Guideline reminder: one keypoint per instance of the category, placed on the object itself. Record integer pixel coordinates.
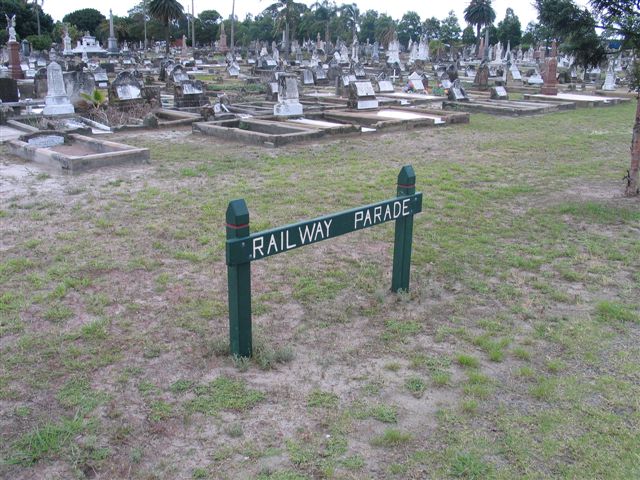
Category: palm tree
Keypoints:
(323, 11)
(479, 13)
(351, 13)
(166, 11)
(287, 12)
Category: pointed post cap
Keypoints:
(237, 213)
(407, 177)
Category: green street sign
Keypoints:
(242, 247)
(279, 240)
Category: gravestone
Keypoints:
(101, 78)
(342, 85)
(535, 79)
(77, 84)
(362, 96)
(416, 82)
(272, 91)
(385, 86)
(609, 80)
(233, 69)
(178, 74)
(189, 94)
(418, 86)
(358, 71)
(550, 86)
(481, 81)
(125, 90)
(457, 93)
(320, 76)
(288, 100)
(56, 102)
(514, 77)
(40, 83)
(307, 77)
(108, 67)
(267, 63)
(499, 93)
(393, 52)
(8, 90)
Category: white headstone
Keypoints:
(56, 102)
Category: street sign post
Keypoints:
(242, 247)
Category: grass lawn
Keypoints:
(516, 353)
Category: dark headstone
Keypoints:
(126, 90)
(482, 77)
(189, 94)
(362, 95)
(40, 83)
(457, 93)
(8, 90)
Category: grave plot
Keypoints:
(68, 123)
(507, 107)
(497, 102)
(73, 153)
(581, 101)
(258, 131)
(397, 118)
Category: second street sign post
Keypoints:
(242, 247)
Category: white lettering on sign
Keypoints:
(278, 242)
(314, 231)
(379, 214)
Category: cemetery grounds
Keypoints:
(514, 355)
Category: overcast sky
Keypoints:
(523, 8)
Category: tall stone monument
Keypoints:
(56, 102)
(393, 53)
(223, 40)
(550, 86)
(609, 80)
(112, 43)
(15, 70)
(66, 42)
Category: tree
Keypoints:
(40, 42)
(385, 28)
(58, 32)
(468, 36)
(479, 13)
(26, 19)
(351, 15)
(368, 25)
(577, 28)
(207, 26)
(450, 29)
(323, 12)
(509, 29)
(166, 11)
(86, 19)
(622, 18)
(431, 28)
(286, 14)
(574, 28)
(409, 27)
